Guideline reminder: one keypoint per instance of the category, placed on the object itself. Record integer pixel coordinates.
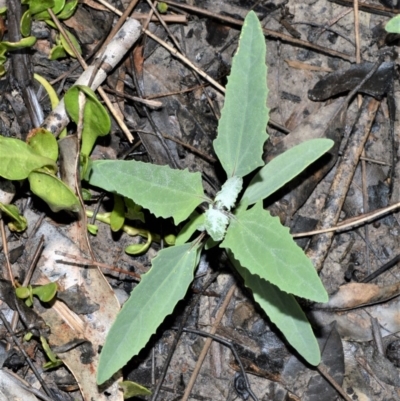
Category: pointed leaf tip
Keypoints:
(244, 117)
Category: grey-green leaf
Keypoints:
(151, 301)
(18, 159)
(265, 247)
(284, 168)
(284, 312)
(162, 190)
(244, 117)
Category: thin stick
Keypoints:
(267, 32)
(89, 262)
(324, 372)
(207, 344)
(185, 60)
(353, 222)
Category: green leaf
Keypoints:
(117, 217)
(151, 301)
(162, 7)
(53, 191)
(284, 168)
(37, 6)
(96, 119)
(18, 159)
(216, 223)
(162, 190)
(23, 292)
(93, 229)
(138, 249)
(132, 389)
(43, 143)
(26, 23)
(45, 292)
(49, 89)
(57, 52)
(54, 360)
(24, 42)
(393, 25)
(196, 220)
(66, 45)
(284, 312)
(18, 222)
(58, 6)
(242, 127)
(68, 10)
(265, 247)
(226, 197)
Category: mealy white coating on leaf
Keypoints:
(229, 192)
(216, 223)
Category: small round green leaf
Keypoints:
(22, 292)
(43, 143)
(58, 6)
(53, 191)
(37, 6)
(162, 7)
(67, 47)
(45, 292)
(18, 159)
(68, 10)
(393, 25)
(26, 23)
(96, 119)
(57, 52)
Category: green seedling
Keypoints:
(17, 223)
(97, 121)
(36, 159)
(38, 10)
(258, 246)
(54, 361)
(44, 292)
(10, 46)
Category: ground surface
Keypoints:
(325, 41)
